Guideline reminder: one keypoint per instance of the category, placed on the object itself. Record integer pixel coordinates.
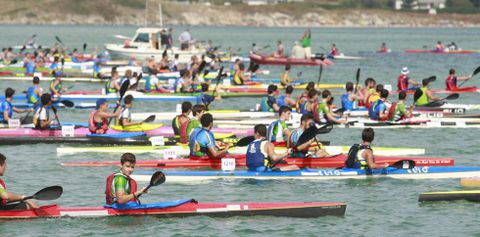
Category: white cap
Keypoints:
(405, 71)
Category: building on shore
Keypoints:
(430, 5)
(266, 2)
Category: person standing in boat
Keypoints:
(452, 80)
(164, 39)
(278, 130)
(428, 98)
(98, 121)
(182, 118)
(34, 92)
(8, 197)
(6, 107)
(120, 187)
(41, 117)
(185, 38)
(350, 98)
(306, 43)
(170, 39)
(261, 155)
(403, 81)
(202, 141)
(360, 156)
(302, 150)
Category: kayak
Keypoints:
(341, 56)
(267, 60)
(469, 195)
(187, 208)
(66, 79)
(137, 127)
(240, 161)
(184, 150)
(419, 172)
(470, 182)
(440, 52)
(469, 89)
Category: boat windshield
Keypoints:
(142, 38)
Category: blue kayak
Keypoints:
(419, 172)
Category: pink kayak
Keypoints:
(267, 60)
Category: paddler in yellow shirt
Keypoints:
(427, 98)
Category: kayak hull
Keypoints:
(469, 195)
(265, 60)
(287, 209)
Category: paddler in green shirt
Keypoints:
(427, 98)
(120, 188)
(323, 111)
(198, 110)
(399, 110)
(278, 130)
(306, 43)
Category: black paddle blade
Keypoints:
(307, 135)
(164, 53)
(453, 96)
(357, 77)
(476, 71)
(124, 88)
(245, 141)
(255, 68)
(84, 46)
(150, 119)
(432, 78)
(325, 129)
(49, 193)
(67, 103)
(58, 39)
(219, 75)
(157, 178)
(54, 110)
(201, 66)
(403, 164)
(418, 93)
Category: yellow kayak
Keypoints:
(138, 127)
(264, 86)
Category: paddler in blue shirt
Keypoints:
(307, 106)
(7, 196)
(348, 99)
(304, 96)
(306, 121)
(6, 108)
(202, 141)
(121, 188)
(206, 98)
(427, 98)
(278, 130)
(360, 156)
(287, 99)
(269, 103)
(378, 110)
(54, 66)
(34, 92)
(29, 64)
(261, 153)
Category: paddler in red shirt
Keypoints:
(333, 51)
(7, 196)
(98, 121)
(369, 88)
(404, 80)
(452, 80)
(383, 48)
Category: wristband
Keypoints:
(134, 196)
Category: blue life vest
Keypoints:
(31, 96)
(206, 99)
(346, 103)
(267, 103)
(30, 68)
(5, 105)
(196, 149)
(281, 100)
(355, 160)
(374, 111)
(303, 108)
(255, 157)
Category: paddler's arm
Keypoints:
(331, 117)
(305, 145)
(431, 96)
(368, 155)
(411, 81)
(217, 154)
(123, 198)
(17, 110)
(463, 78)
(270, 149)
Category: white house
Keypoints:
(422, 4)
(266, 2)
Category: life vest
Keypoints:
(271, 137)
(29, 68)
(109, 196)
(334, 51)
(8, 107)
(176, 123)
(402, 82)
(423, 100)
(3, 202)
(57, 87)
(109, 88)
(94, 126)
(281, 101)
(120, 119)
(36, 116)
(319, 116)
(374, 111)
(182, 131)
(372, 98)
(355, 159)
(32, 97)
(392, 113)
(292, 142)
(451, 82)
(197, 149)
(284, 79)
(237, 80)
(255, 156)
(346, 103)
(267, 104)
(299, 102)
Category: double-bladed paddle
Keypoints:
(150, 119)
(403, 164)
(157, 179)
(219, 76)
(320, 75)
(84, 47)
(46, 194)
(357, 80)
(475, 72)
(123, 90)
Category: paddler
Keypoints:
(374, 96)
(285, 77)
(280, 53)
(125, 117)
(287, 99)
(378, 110)
(306, 121)
(34, 92)
(427, 98)
(404, 80)
(41, 117)
(278, 130)
(54, 66)
(323, 113)
(369, 88)
(348, 99)
(6, 108)
(452, 80)
(7, 197)
(261, 154)
(269, 103)
(121, 188)
(398, 111)
(239, 78)
(197, 111)
(112, 85)
(333, 51)
(439, 47)
(360, 156)
(383, 48)
(184, 83)
(206, 98)
(98, 121)
(202, 141)
(307, 106)
(306, 43)
(179, 120)
(56, 87)
(304, 96)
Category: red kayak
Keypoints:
(440, 52)
(189, 208)
(267, 60)
(468, 89)
(240, 161)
